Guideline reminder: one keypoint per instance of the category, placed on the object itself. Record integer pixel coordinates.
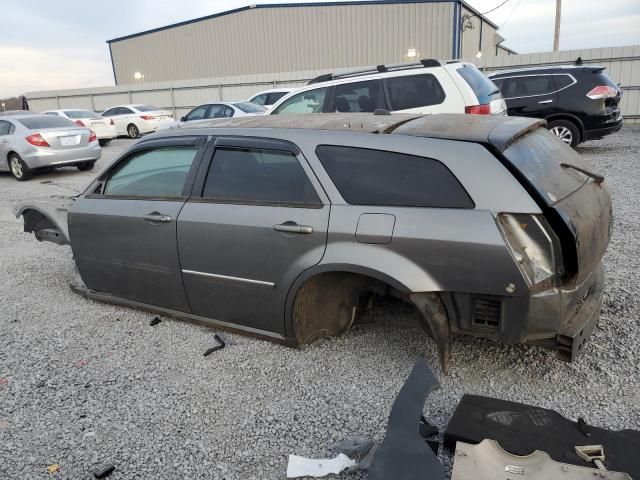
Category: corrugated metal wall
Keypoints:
(623, 65)
(288, 39)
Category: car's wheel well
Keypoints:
(42, 227)
(9, 155)
(328, 303)
(569, 118)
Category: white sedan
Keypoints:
(104, 129)
(136, 119)
(217, 110)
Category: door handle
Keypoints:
(546, 101)
(155, 217)
(293, 227)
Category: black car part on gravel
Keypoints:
(404, 454)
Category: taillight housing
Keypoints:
(534, 247)
(92, 136)
(146, 117)
(79, 123)
(484, 109)
(602, 91)
(36, 140)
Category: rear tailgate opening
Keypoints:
(577, 205)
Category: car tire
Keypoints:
(104, 142)
(86, 166)
(132, 131)
(18, 168)
(565, 130)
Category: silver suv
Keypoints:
(284, 226)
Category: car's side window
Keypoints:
(260, 99)
(157, 173)
(228, 111)
(124, 111)
(356, 96)
(414, 91)
(311, 101)
(258, 177)
(528, 86)
(563, 81)
(5, 128)
(110, 112)
(274, 97)
(216, 111)
(376, 177)
(197, 113)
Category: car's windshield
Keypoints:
(248, 107)
(146, 108)
(79, 114)
(45, 121)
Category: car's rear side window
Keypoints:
(258, 177)
(376, 177)
(414, 91)
(158, 173)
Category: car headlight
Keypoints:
(533, 245)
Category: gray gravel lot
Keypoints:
(85, 383)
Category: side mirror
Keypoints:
(183, 119)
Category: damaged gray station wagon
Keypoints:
(285, 226)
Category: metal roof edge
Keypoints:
(285, 5)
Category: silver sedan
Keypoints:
(31, 142)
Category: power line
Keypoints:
(510, 14)
(488, 11)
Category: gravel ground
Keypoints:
(84, 383)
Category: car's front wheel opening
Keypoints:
(18, 168)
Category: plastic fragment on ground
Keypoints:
(308, 467)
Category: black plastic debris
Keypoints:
(521, 429)
(104, 471)
(220, 346)
(155, 322)
(426, 429)
(404, 454)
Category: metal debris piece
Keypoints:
(487, 461)
(308, 467)
(104, 471)
(592, 454)
(53, 468)
(220, 346)
(155, 322)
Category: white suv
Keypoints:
(422, 87)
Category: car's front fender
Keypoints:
(46, 218)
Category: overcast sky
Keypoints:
(47, 45)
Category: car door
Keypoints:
(123, 232)
(6, 130)
(529, 95)
(256, 220)
(216, 110)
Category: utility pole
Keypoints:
(556, 34)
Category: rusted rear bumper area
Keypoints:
(557, 318)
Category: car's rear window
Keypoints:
(375, 177)
(146, 108)
(539, 155)
(481, 85)
(248, 107)
(45, 121)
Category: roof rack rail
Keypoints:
(424, 63)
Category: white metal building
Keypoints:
(302, 37)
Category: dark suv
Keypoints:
(579, 102)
